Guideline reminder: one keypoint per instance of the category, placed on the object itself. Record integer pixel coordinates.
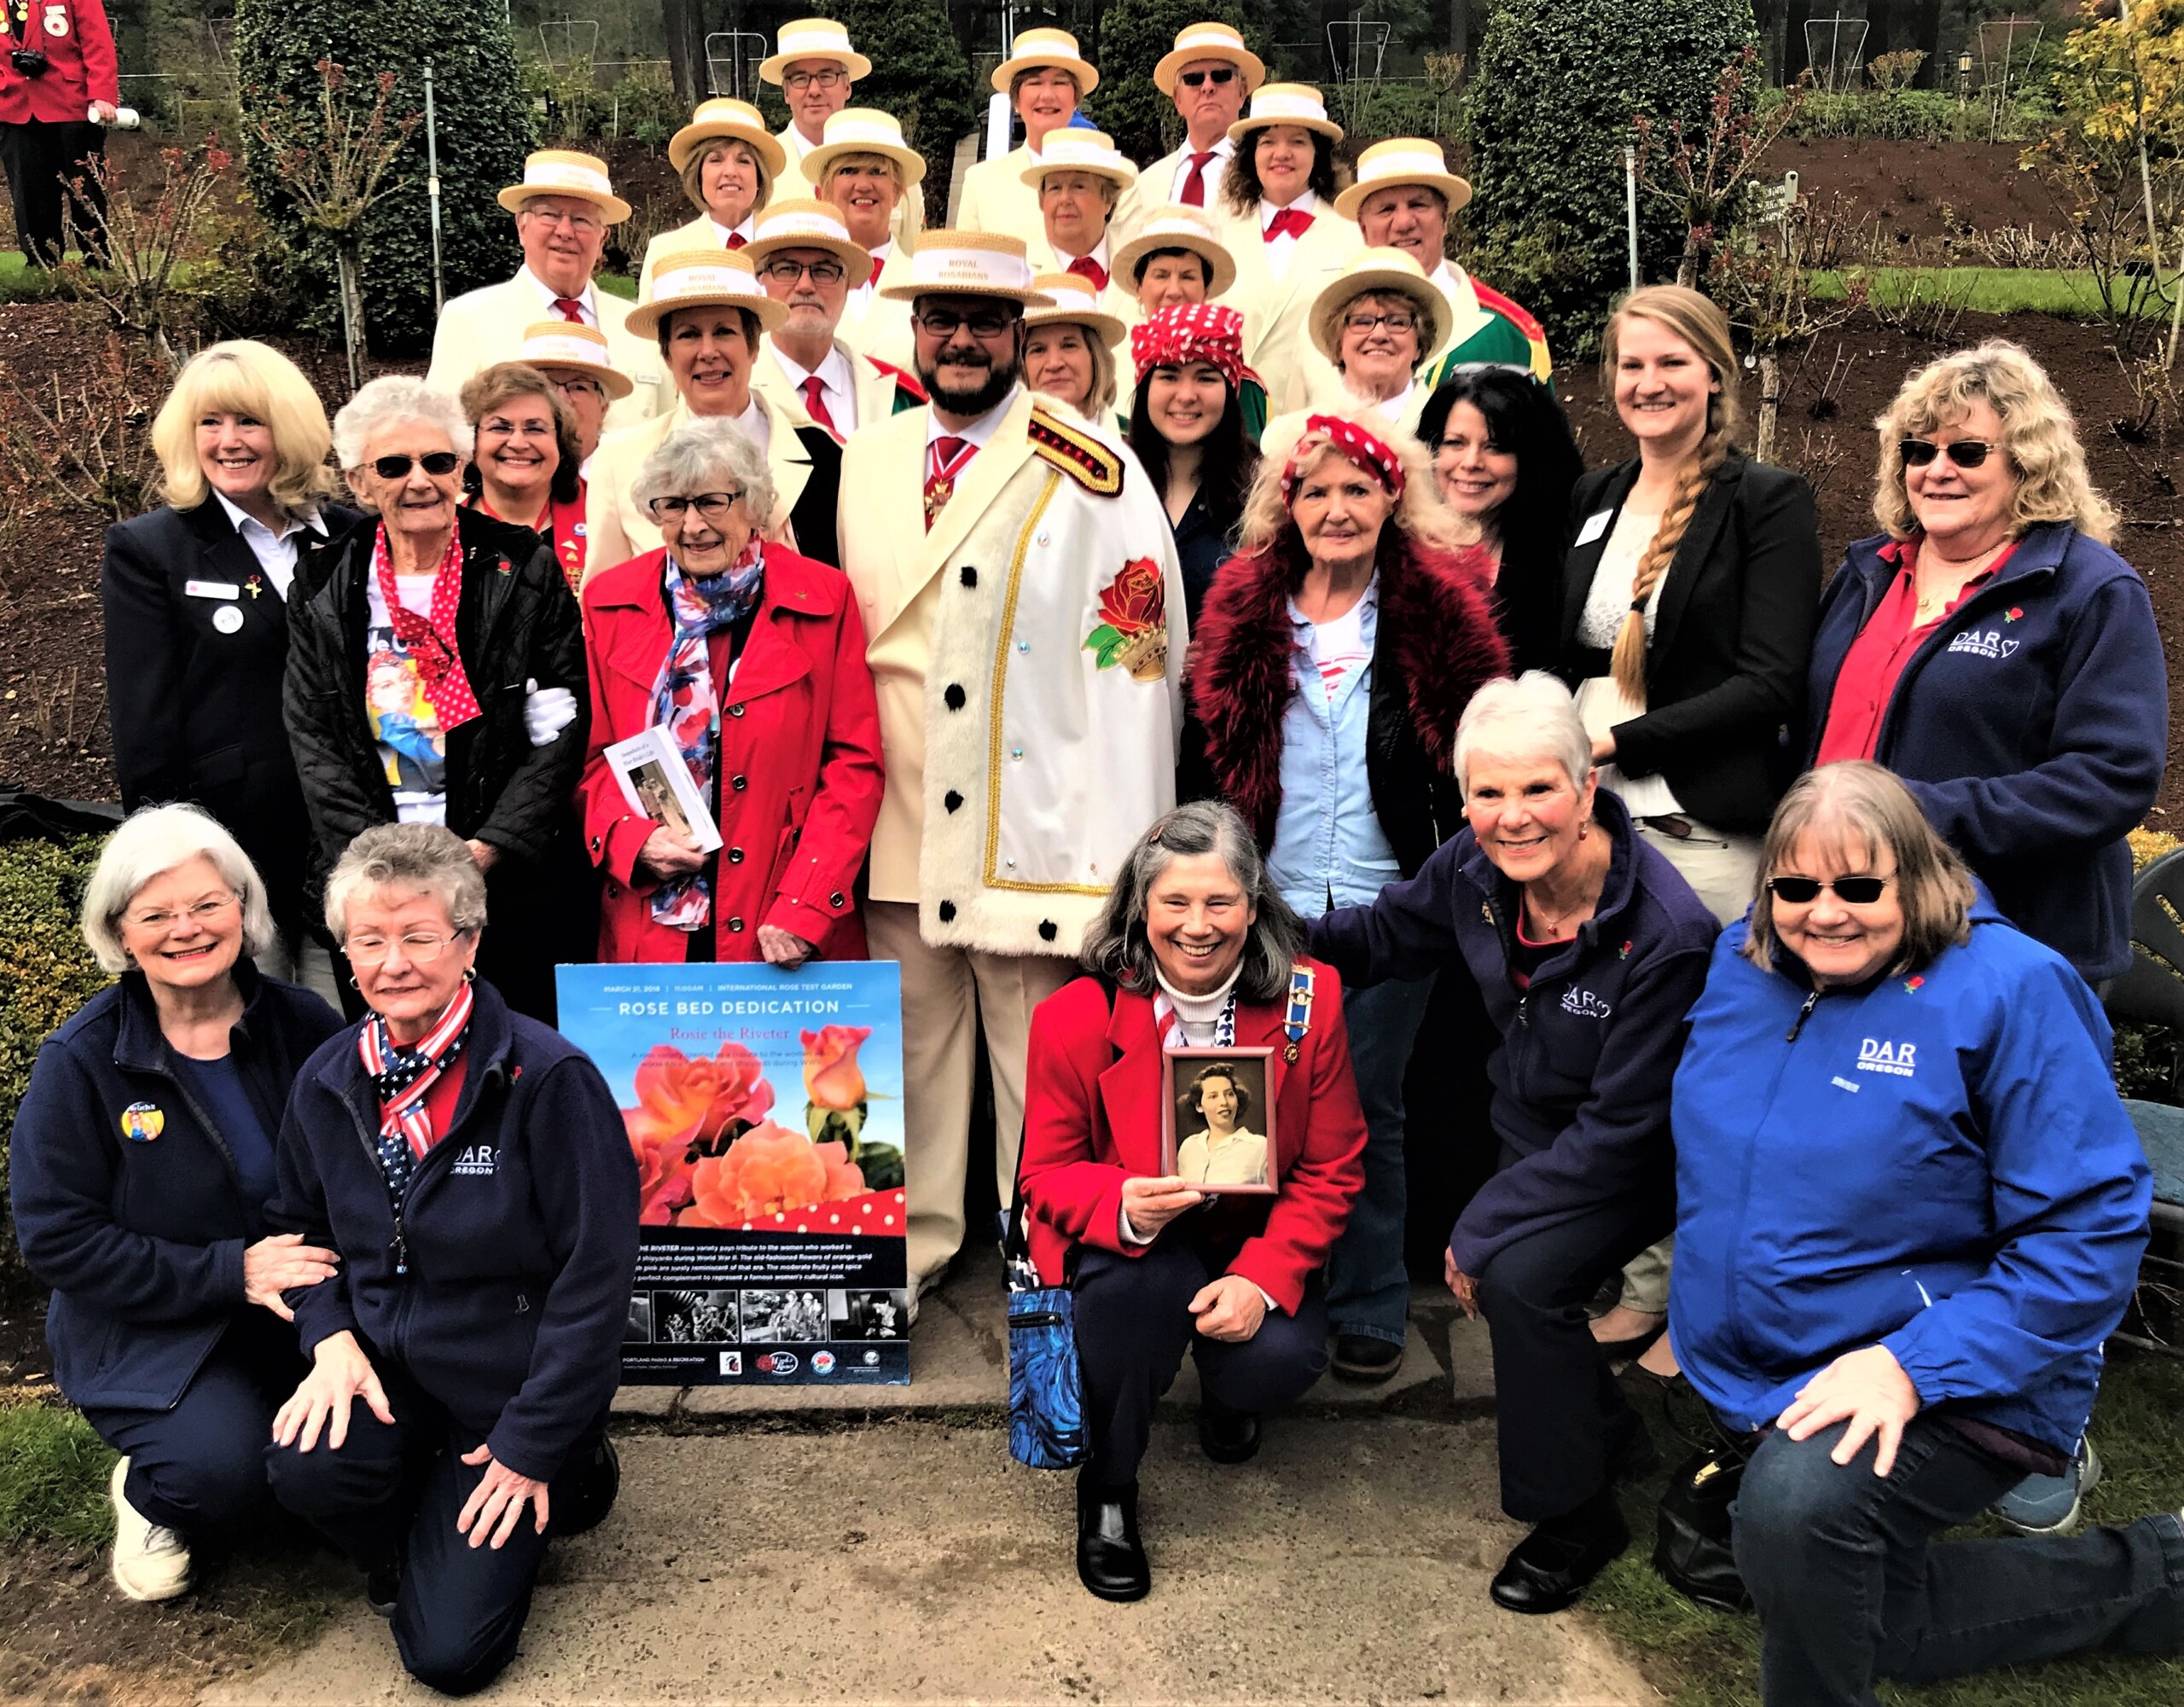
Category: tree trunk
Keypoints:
(352, 316)
(1795, 58)
(685, 21)
(1770, 406)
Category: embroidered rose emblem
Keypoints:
(1133, 630)
(1911, 985)
(2014, 613)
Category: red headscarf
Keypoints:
(1198, 332)
(1360, 446)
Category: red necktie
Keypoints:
(1193, 194)
(1086, 267)
(814, 404)
(736, 239)
(1290, 222)
(569, 308)
(878, 262)
(947, 458)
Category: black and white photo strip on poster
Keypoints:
(849, 1333)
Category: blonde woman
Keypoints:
(1993, 650)
(196, 597)
(728, 162)
(869, 176)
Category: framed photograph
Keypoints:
(1218, 1122)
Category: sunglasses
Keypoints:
(1851, 891)
(1966, 453)
(1194, 79)
(434, 462)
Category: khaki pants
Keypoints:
(947, 995)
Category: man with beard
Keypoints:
(1026, 620)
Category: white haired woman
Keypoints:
(1331, 660)
(487, 1238)
(1588, 948)
(1994, 651)
(752, 658)
(1910, 1211)
(436, 677)
(140, 1166)
(195, 598)
(1196, 948)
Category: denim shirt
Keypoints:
(1328, 849)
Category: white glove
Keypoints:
(546, 712)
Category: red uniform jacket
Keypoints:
(1092, 1110)
(799, 775)
(78, 46)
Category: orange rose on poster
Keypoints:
(832, 1077)
(769, 1171)
(699, 1099)
(1133, 627)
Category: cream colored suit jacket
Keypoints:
(696, 234)
(1277, 312)
(996, 198)
(483, 327)
(882, 330)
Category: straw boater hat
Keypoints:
(1401, 160)
(1209, 41)
(1287, 103)
(813, 38)
(1385, 271)
(967, 263)
(726, 117)
(1177, 228)
(568, 343)
(863, 130)
(1034, 48)
(1074, 148)
(557, 171)
(1075, 303)
(807, 224)
(704, 278)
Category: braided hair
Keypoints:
(1690, 317)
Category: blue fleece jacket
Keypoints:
(2032, 725)
(518, 1230)
(1935, 1162)
(142, 1237)
(1581, 1078)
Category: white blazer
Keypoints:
(996, 198)
(486, 326)
(1277, 312)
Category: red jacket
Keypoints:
(799, 775)
(1092, 1113)
(78, 46)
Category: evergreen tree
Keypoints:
(1134, 38)
(920, 74)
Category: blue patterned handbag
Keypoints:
(1046, 1388)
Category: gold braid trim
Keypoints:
(1077, 453)
(1628, 663)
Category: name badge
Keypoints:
(1596, 525)
(212, 590)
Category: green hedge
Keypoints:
(920, 74)
(1909, 115)
(46, 973)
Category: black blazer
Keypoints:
(517, 623)
(1725, 668)
(197, 711)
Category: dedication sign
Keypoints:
(765, 1109)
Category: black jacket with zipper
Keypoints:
(142, 1240)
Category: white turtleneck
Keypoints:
(1200, 1015)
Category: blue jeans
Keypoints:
(1850, 1587)
(1368, 1291)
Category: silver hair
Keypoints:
(427, 859)
(1117, 946)
(707, 454)
(153, 840)
(1532, 717)
(394, 398)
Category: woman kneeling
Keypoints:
(1910, 1209)
(1196, 950)
(487, 1232)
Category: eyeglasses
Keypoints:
(578, 387)
(1217, 77)
(986, 323)
(834, 77)
(1851, 891)
(1966, 453)
(202, 913)
(434, 462)
(582, 223)
(710, 506)
(1398, 320)
(421, 947)
(782, 270)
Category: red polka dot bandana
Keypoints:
(1198, 332)
(1354, 442)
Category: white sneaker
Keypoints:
(149, 1563)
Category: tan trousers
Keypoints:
(947, 995)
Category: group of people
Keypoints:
(1233, 717)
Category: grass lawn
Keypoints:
(1699, 1658)
(1986, 290)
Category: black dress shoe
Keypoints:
(383, 1587)
(1227, 1437)
(1110, 1559)
(1549, 1568)
(1361, 1358)
(586, 1499)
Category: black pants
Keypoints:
(200, 1468)
(1558, 1414)
(37, 155)
(1133, 1326)
(395, 1490)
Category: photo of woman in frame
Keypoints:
(1216, 1097)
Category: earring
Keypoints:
(353, 984)
(470, 974)
(1585, 828)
